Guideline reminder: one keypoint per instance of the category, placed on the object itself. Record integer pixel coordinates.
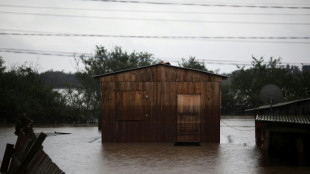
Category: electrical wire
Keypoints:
(205, 5)
(157, 19)
(253, 39)
(234, 127)
(233, 61)
(213, 40)
(151, 11)
(39, 52)
(31, 31)
(160, 37)
(73, 54)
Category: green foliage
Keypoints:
(115, 60)
(243, 92)
(191, 63)
(22, 91)
(229, 107)
(2, 68)
(103, 62)
(59, 79)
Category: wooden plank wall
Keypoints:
(161, 84)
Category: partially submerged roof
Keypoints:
(298, 119)
(278, 104)
(165, 65)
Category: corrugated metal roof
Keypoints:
(299, 119)
(126, 70)
(277, 105)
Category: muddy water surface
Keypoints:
(82, 152)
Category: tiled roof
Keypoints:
(299, 119)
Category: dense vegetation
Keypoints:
(58, 79)
(23, 90)
(243, 87)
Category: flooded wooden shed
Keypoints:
(160, 103)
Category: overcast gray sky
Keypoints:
(200, 21)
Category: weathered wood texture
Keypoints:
(9, 150)
(188, 118)
(141, 105)
(28, 157)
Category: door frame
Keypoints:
(199, 117)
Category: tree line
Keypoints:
(24, 90)
(242, 90)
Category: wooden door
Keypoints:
(188, 118)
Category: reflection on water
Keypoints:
(159, 158)
(82, 152)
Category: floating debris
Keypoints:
(55, 133)
(94, 139)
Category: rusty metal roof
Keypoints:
(299, 119)
(278, 104)
(167, 65)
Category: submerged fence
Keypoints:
(27, 156)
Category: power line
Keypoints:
(32, 31)
(159, 37)
(156, 19)
(204, 5)
(16, 51)
(254, 39)
(231, 62)
(39, 52)
(72, 54)
(153, 11)
(218, 63)
(207, 61)
(46, 33)
(235, 127)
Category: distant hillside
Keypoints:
(58, 79)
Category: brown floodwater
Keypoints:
(82, 152)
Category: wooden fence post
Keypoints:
(32, 151)
(9, 150)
